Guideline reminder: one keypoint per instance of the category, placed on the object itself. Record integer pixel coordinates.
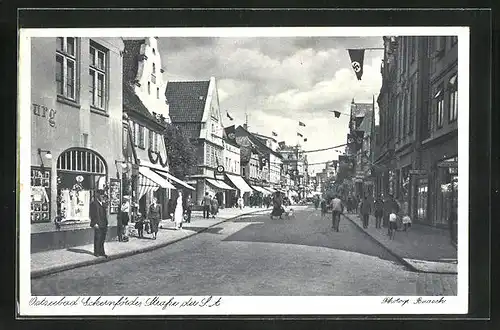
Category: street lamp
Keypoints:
(47, 153)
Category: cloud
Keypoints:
(279, 81)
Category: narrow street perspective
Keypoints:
(256, 255)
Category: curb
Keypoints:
(58, 269)
(394, 254)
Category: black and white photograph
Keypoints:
(204, 171)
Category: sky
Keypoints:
(279, 82)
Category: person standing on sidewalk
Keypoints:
(379, 211)
(124, 219)
(179, 212)
(189, 208)
(214, 207)
(99, 221)
(337, 209)
(154, 216)
(387, 212)
(365, 210)
(240, 202)
(206, 202)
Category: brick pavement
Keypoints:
(49, 262)
(422, 248)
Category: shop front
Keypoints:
(447, 194)
(244, 190)
(219, 189)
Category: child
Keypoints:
(406, 222)
(392, 225)
(139, 225)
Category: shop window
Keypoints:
(66, 63)
(422, 199)
(157, 93)
(97, 72)
(80, 173)
(453, 99)
(40, 194)
(149, 88)
(141, 137)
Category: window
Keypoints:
(149, 88)
(151, 140)
(412, 107)
(66, 67)
(413, 48)
(40, 194)
(453, 95)
(154, 68)
(405, 115)
(153, 75)
(157, 138)
(158, 93)
(141, 137)
(439, 102)
(135, 131)
(97, 71)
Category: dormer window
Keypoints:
(149, 88)
(153, 75)
(154, 68)
(154, 52)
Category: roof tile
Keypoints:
(187, 100)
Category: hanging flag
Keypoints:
(305, 140)
(228, 116)
(302, 124)
(337, 114)
(275, 134)
(298, 134)
(357, 57)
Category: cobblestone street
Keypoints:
(254, 255)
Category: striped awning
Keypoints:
(271, 190)
(239, 183)
(150, 181)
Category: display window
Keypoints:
(447, 194)
(422, 199)
(79, 174)
(40, 194)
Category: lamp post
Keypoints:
(48, 155)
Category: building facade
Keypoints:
(76, 136)
(416, 150)
(194, 108)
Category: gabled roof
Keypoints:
(131, 59)
(187, 100)
(133, 105)
(257, 142)
(360, 109)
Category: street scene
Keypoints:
(244, 166)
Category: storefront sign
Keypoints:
(44, 112)
(417, 172)
(114, 196)
(40, 195)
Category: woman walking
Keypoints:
(154, 216)
(178, 213)
(214, 207)
(277, 205)
(189, 208)
(379, 211)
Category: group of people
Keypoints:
(210, 206)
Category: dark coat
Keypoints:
(365, 206)
(98, 215)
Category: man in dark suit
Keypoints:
(99, 221)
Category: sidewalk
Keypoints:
(54, 261)
(422, 248)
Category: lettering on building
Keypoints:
(45, 112)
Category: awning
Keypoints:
(238, 181)
(262, 190)
(173, 178)
(219, 184)
(155, 178)
(271, 190)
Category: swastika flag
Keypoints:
(357, 57)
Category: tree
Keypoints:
(181, 153)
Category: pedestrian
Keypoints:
(179, 212)
(154, 216)
(240, 202)
(365, 210)
(214, 207)
(349, 204)
(337, 209)
(99, 221)
(277, 205)
(405, 217)
(205, 203)
(392, 225)
(139, 225)
(189, 208)
(387, 212)
(323, 206)
(124, 219)
(379, 211)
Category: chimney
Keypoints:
(245, 126)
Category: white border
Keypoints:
(250, 305)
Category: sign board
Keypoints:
(220, 169)
(417, 172)
(114, 196)
(220, 177)
(448, 164)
